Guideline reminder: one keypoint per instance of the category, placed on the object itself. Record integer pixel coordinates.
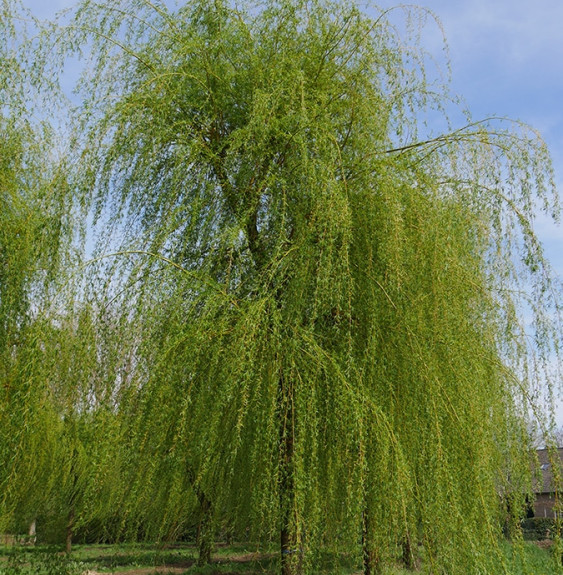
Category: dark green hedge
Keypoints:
(535, 528)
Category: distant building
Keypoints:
(544, 488)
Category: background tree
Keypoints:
(32, 222)
(83, 367)
(29, 239)
(35, 235)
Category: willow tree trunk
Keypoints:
(69, 531)
(371, 559)
(205, 539)
(290, 557)
(408, 554)
(32, 532)
(205, 528)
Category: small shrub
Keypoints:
(537, 528)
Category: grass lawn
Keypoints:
(179, 559)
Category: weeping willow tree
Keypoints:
(59, 357)
(26, 238)
(328, 351)
(80, 363)
(35, 233)
(21, 228)
(25, 421)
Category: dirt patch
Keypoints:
(178, 569)
(246, 558)
(544, 544)
(144, 571)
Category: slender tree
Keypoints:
(331, 352)
(29, 244)
(35, 235)
(30, 237)
(82, 368)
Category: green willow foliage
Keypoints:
(312, 303)
(35, 232)
(29, 236)
(29, 247)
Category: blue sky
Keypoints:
(506, 60)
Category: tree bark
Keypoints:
(205, 528)
(205, 539)
(32, 533)
(408, 556)
(371, 559)
(69, 531)
(290, 556)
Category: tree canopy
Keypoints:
(311, 302)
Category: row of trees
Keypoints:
(302, 320)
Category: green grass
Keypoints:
(129, 556)
(531, 561)
(232, 560)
